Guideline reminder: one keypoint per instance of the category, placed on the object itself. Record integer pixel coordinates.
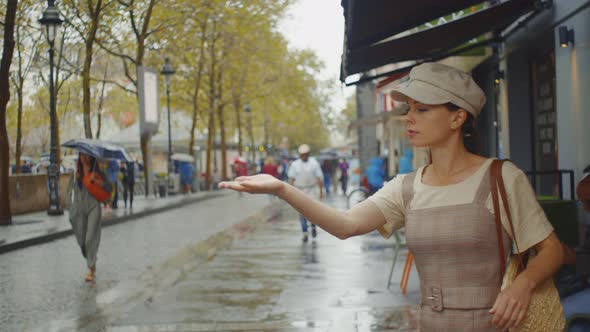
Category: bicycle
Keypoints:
(356, 196)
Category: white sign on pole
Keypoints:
(148, 117)
(148, 101)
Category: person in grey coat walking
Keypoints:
(85, 211)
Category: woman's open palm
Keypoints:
(256, 184)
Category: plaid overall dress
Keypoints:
(456, 252)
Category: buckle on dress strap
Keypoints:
(434, 298)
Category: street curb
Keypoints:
(207, 249)
(152, 283)
(106, 221)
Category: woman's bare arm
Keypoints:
(546, 263)
(360, 219)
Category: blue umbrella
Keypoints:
(98, 149)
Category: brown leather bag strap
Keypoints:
(495, 168)
(504, 197)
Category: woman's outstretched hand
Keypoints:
(255, 184)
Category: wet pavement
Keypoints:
(42, 287)
(227, 264)
(271, 281)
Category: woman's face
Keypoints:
(430, 125)
(84, 158)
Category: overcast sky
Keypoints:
(319, 25)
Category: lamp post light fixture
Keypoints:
(51, 21)
(168, 71)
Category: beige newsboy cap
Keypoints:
(433, 83)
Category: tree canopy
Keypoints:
(227, 54)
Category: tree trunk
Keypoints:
(86, 95)
(266, 123)
(238, 109)
(144, 153)
(139, 62)
(86, 75)
(18, 83)
(98, 123)
(101, 99)
(143, 139)
(253, 145)
(237, 95)
(210, 149)
(221, 121)
(223, 144)
(7, 51)
(191, 144)
(19, 129)
(212, 106)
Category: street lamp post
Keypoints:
(51, 21)
(168, 71)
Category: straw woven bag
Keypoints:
(545, 312)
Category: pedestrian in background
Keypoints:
(447, 212)
(84, 209)
(283, 169)
(343, 166)
(327, 171)
(186, 176)
(375, 175)
(240, 167)
(113, 173)
(405, 162)
(270, 167)
(305, 173)
(128, 182)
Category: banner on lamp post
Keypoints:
(148, 101)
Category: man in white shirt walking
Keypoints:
(306, 174)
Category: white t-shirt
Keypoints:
(306, 174)
(530, 223)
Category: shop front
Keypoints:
(544, 78)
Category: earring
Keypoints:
(453, 126)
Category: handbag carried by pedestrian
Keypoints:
(97, 184)
(545, 312)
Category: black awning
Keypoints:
(370, 21)
(435, 41)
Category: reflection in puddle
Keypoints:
(309, 253)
